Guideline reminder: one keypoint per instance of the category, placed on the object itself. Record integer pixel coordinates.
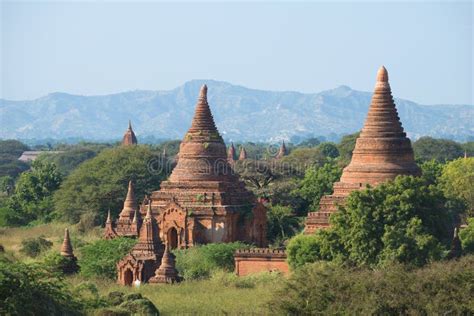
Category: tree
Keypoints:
(398, 221)
(329, 149)
(441, 150)
(32, 197)
(310, 142)
(10, 151)
(457, 181)
(467, 237)
(346, 146)
(318, 182)
(431, 171)
(101, 182)
(282, 223)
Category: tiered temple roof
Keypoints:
(128, 221)
(66, 251)
(282, 151)
(231, 153)
(381, 153)
(129, 137)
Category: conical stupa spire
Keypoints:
(167, 272)
(129, 137)
(243, 153)
(130, 205)
(66, 248)
(202, 154)
(382, 150)
(231, 152)
(282, 151)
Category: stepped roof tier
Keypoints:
(381, 153)
(129, 137)
(130, 204)
(66, 247)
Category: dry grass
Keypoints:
(11, 238)
(221, 295)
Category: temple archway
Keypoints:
(172, 238)
(128, 277)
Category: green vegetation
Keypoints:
(33, 247)
(10, 151)
(442, 150)
(32, 196)
(99, 258)
(100, 183)
(402, 221)
(282, 224)
(327, 289)
(200, 262)
(467, 237)
(457, 181)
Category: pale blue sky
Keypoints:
(105, 47)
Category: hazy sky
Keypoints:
(106, 47)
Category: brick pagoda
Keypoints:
(203, 201)
(381, 153)
(129, 137)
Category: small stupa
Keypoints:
(67, 252)
(382, 152)
(282, 151)
(167, 272)
(129, 137)
(124, 224)
(109, 232)
(231, 153)
(243, 153)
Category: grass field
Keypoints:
(224, 293)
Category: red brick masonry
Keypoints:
(248, 261)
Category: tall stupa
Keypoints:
(381, 153)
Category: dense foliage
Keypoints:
(100, 183)
(467, 236)
(10, 151)
(327, 289)
(99, 258)
(399, 221)
(32, 196)
(281, 224)
(33, 247)
(457, 180)
(200, 261)
(442, 150)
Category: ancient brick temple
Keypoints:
(67, 252)
(282, 151)
(129, 137)
(145, 257)
(203, 201)
(381, 153)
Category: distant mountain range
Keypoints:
(241, 114)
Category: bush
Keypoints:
(34, 290)
(200, 261)
(60, 264)
(327, 289)
(99, 258)
(467, 237)
(33, 247)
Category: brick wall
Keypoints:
(257, 260)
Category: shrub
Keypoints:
(99, 258)
(199, 261)
(328, 289)
(467, 236)
(33, 247)
(57, 263)
(34, 290)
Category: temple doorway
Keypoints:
(172, 238)
(128, 277)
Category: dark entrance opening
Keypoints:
(128, 277)
(172, 238)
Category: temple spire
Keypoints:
(231, 153)
(382, 74)
(203, 120)
(167, 272)
(66, 248)
(243, 153)
(129, 137)
(130, 205)
(282, 151)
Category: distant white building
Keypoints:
(32, 155)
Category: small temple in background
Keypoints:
(381, 153)
(231, 154)
(129, 137)
(67, 252)
(203, 201)
(282, 151)
(243, 153)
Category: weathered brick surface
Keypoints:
(260, 260)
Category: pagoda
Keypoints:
(382, 152)
(231, 153)
(167, 272)
(243, 153)
(128, 222)
(145, 257)
(203, 201)
(129, 137)
(282, 151)
(66, 251)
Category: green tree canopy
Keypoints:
(10, 151)
(346, 146)
(457, 180)
(329, 149)
(442, 150)
(399, 221)
(101, 182)
(282, 223)
(318, 182)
